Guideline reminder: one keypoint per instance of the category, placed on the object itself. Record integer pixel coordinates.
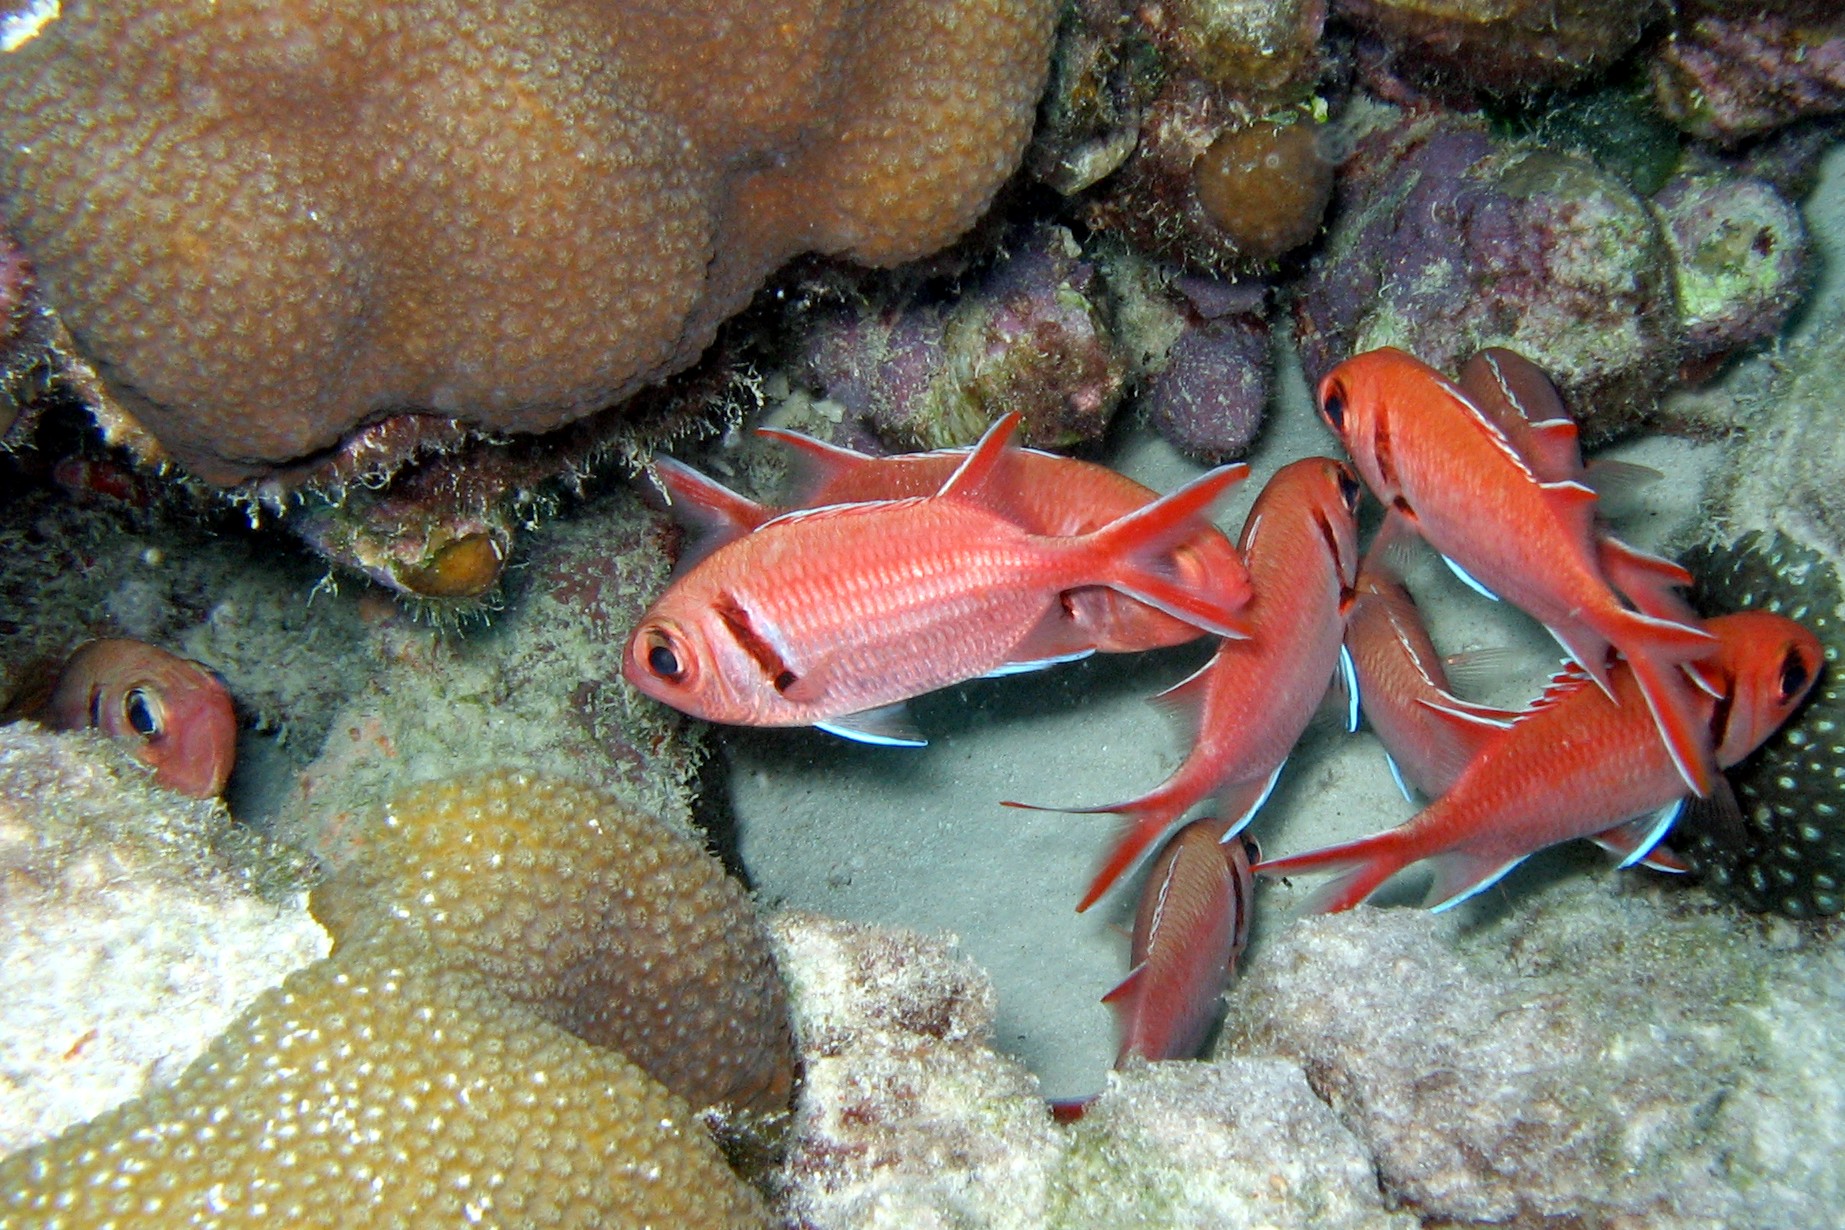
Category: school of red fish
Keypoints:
(894, 576)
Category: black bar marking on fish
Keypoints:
(751, 641)
(1381, 448)
(1720, 712)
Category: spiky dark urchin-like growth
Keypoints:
(1789, 856)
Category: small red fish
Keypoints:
(834, 616)
(1255, 696)
(1434, 458)
(1576, 764)
(1044, 493)
(1429, 734)
(175, 711)
(1191, 927)
(1519, 399)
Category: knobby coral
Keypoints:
(267, 225)
(447, 1063)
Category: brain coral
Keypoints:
(371, 1089)
(269, 223)
(600, 919)
(419, 1077)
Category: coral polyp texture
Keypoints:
(268, 225)
(449, 1063)
(376, 1089)
(602, 920)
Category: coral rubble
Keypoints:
(267, 226)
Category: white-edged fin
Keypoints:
(1458, 876)
(1397, 776)
(1468, 580)
(971, 475)
(886, 726)
(1647, 832)
(1348, 677)
(1025, 668)
(1248, 813)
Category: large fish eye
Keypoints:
(142, 712)
(1795, 674)
(1332, 403)
(665, 658)
(1349, 489)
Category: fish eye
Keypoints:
(1349, 489)
(1795, 674)
(142, 712)
(1332, 404)
(663, 656)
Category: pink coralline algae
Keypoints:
(1449, 241)
(1208, 397)
(1030, 336)
(1728, 77)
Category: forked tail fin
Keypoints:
(1146, 820)
(1363, 865)
(1657, 651)
(1132, 553)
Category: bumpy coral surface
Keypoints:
(1740, 259)
(268, 224)
(1729, 76)
(1788, 855)
(386, 1087)
(602, 920)
(419, 1076)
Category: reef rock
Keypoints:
(1729, 76)
(909, 1118)
(267, 225)
(1448, 241)
(1587, 1056)
(132, 929)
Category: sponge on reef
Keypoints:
(267, 224)
(451, 1061)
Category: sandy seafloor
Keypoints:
(916, 837)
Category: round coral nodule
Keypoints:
(466, 568)
(1266, 186)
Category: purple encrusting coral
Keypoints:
(1208, 398)
(1030, 336)
(1728, 77)
(1447, 241)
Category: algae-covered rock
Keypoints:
(1580, 1056)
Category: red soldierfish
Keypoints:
(1255, 696)
(175, 711)
(1191, 926)
(1044, 493)
(834, 616)
(1430, 735)
(1575, 764)
(1433, 457)
(1519, 399)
